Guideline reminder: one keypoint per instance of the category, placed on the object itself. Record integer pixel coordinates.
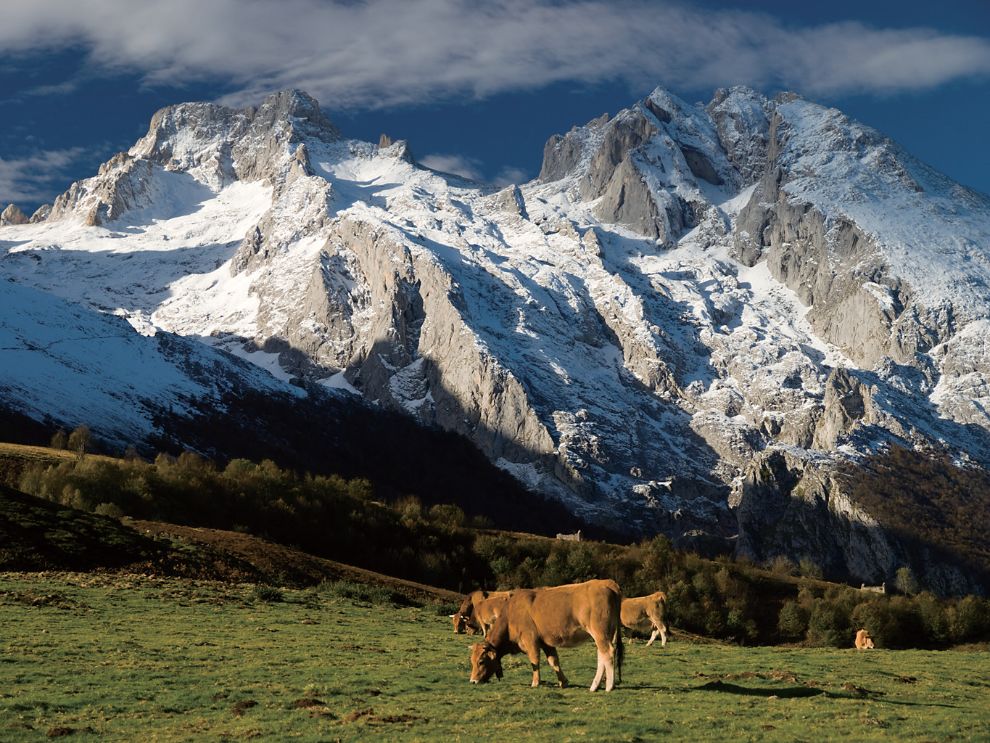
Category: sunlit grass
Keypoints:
(135, 658)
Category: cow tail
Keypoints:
(619, 653)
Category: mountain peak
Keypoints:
(297, 108)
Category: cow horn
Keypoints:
(451, 615)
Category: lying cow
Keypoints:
(863, 640)
(478, 611)
(543, 619)
(647, 611)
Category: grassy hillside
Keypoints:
(115, 658)
(341, 520)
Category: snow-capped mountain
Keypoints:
(687, 294)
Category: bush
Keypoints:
(792, 622)
(363, 592)
(80, 440)
(782, 565)
(808, 568)
(829, 625)
(60, 439)
(108, 509)
(268, 594)
(969, 619)
(906, 582)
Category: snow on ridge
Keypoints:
(79, 366)
(934, 233)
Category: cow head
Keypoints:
(463, 624)
(868, 642)
(484, 662)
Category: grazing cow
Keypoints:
(647, 610)
(863, 640)
(468, 619)
(543, 619)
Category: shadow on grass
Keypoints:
(790, 692)
(797, 692)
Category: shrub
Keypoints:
(808, 568)
(782, 565)
(108, 509)
(60, 439)
(828, 624)
(80, 440)
(268, 594)
(792, 622)
(969, 619)
(906, 582)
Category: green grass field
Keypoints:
(121, 658)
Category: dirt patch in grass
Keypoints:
(369, 716)
(28, 598)
(357, 715)
(306, 703)
(241, 707)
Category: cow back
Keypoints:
(563, 615)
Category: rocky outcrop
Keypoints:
(41, 213)
(421, 338)
(742, 119)
(847, 403)
(247, 144)
(12, 215)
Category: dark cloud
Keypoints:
(37, 177)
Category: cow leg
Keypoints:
(606, 664)
(554, 662)
(610, 668)
(599, 673)
(653, 636)
(534, 662)
(601, 665)
(663, 635)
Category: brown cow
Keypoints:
(647, 610)
(863, 640)
(468, 619)
(547, 618)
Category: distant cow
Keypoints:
(478, 611)
(543, 619)
(646, 611)
(863, 640)
(575, 537)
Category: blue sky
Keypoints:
(477, 91)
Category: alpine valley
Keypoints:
(709, 321)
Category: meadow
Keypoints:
(111, 657)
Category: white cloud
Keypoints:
(509, 175)
(36, 178)
(466, 167)
(385, 52)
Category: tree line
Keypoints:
(341, 519)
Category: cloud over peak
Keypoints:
(390, 52)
